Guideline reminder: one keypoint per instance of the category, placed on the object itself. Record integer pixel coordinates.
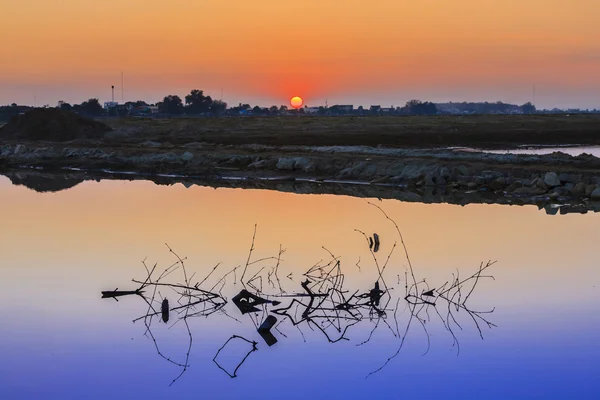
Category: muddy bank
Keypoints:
(410, 175)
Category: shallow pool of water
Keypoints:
(571, 150)
(528, 332)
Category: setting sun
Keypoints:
(296, 102)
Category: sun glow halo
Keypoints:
(296, 102)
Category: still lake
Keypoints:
(60, 339)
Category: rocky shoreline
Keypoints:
(556, 182)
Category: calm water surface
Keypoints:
(571, 150)
(61, 340)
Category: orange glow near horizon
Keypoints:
(347, 51)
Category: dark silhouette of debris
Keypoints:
(376, 240)
(164, 309)
(113, 294)
(265, 330)
(246, 302)
(252, 350)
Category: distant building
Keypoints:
(108, 105)
(348, 108)
(311, 110)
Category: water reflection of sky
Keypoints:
(60, 340)
(571, 150)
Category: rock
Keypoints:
(489, 175)
(412, 172)
(531, 191)
(150, 143)
(20, 149)
(472, 185)
(589, 189)
(554, 195)
(352, 171)
(395, 169)
(498, 183)
(302, 163)
(286, 164)
(6, 151)
(187, 156)
(444, 173)
(551, 210)
(513, 186)
(464, 171)
(410, 196)
(539, 184)
(579, 189)
(478, 180)
(67, 152)
(595, 195)
(551, 179)
(569, 178)
(441, 181)
(163, 158)
(369, 173)
(239, 161)
(562, 191)
(380, 179)
(429, 180)
(258, 164)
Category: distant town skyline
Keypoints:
(385, 52)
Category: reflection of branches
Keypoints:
(322, 302)
(451, 294)
(252, 350)
(191, 301)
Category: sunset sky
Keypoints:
(263, 52)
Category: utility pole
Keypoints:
(121, 86)
(113, 93)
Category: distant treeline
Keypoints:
(198, 104)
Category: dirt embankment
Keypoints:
(51, 124)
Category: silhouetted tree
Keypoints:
(528, 108)
(91, 107)
(64, 106)
(197, 103)
(132, 104)
(417, 107)
(218, 107)
(171, 104)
